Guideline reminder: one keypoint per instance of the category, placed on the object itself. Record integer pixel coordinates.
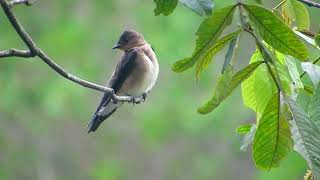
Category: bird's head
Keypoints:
(129, 39)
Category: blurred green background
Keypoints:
(43, 117)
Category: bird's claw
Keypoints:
(134, 100)
(144, 97)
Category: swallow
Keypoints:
(135, 75)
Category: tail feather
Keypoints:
(100, 116)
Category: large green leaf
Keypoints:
(314, 106)
(165, 7)
(283, 72)
(280, 73)
(306, 136)
(272, 140)
(226, 84)
(208, 33)
(201, 7)
(297, 12)
(203, 63)
(258, 88)
(276, 33)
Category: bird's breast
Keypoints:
(142, 77)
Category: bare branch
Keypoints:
(307, 32)
(16, 2)
(35, 51)
(15, 52)
(310, 3)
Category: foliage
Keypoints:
(270, 90)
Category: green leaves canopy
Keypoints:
(276, 33)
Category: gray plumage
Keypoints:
(135, 74)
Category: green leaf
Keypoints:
(314, 107)
(317, 39)
(297, 12)
(248, 138)
(165, 7)
(313, 71)
(243, 129)
(278, 69)
(306, 136)
(293, 71)
(230, 53)
(226, 84)
(272, 140)
(220, 92)
(258, 88)
(203, 63)
(208, 33)
(283, 72)
(276, 33)
(201, 7)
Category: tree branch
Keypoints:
(16, 2)
(35, 51)
(310, 3)
(15, 52)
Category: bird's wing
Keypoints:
(122, 71)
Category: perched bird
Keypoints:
(135, 74)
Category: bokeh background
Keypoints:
(43, 117)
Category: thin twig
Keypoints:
(15, 53)
(310, 3)
(16, 2)
(307, 32)
(35, 51)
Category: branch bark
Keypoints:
(36, 51)
(310, 3)
(16, 2)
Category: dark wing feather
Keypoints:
(123, 69)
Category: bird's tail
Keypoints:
(102, 114)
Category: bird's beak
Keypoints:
(116, 46)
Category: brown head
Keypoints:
(129, 39)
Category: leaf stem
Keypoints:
(280, 4)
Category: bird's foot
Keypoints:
(135, 100)
(144, 97)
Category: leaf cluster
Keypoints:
(270, 83)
